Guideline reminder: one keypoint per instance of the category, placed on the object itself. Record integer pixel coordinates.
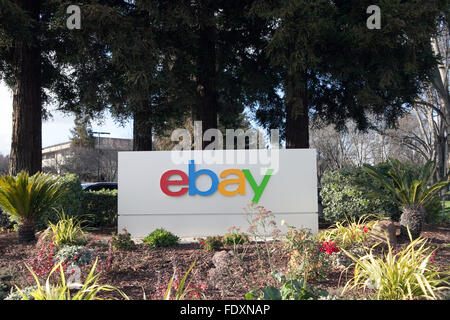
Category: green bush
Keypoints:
(123, 241)
(68, 230)
(346, 193)
(212, 243)
(406, 273)
(349, 233)
(100, 208)
(71, 203)
(76, 255)
(434, 211)
(27, 197)
(291, 289)
(161, 238)
(235, 238)
(3, 290)
(6, 223)
(306, 260)
(15, 295)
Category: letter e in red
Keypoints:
(165, 183)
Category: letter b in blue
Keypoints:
(193, 178)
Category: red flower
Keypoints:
(353, 236)
(329, 247)
(202, 243)
(365, 229)
(431, 260)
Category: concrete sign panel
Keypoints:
(201, 193)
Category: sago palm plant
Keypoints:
(411, 192)
(25, 197)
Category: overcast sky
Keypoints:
(56, 130)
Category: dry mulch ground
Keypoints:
(149, 270)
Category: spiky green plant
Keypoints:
(408, 274)
(89, 290)
(411, 192)
(25, 197)
(183, 289)
(68, 230)
(350, 232)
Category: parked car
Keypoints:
(97, 186)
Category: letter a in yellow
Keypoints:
(240, 181)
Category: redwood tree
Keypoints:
(26, 141)
(45, 63)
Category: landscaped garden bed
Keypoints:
(359, 256)
(149, 270)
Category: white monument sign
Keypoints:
(201, 193)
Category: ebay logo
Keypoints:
(188, 182)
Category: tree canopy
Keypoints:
(161, 62)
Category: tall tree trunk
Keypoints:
(26, 144)
(207, 105)
(297, 112)
(440, 83)
(142, 130)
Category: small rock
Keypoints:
(222, 258)
(385, 231)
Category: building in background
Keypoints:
(91, 164)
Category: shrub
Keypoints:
(410, 190)
(70, 203)
(289, 290)
(262, 226)
(67, 230)
(212, 243)
(25, 197)
(234, 238)
(122, 241)
(306, 258)
(75, 255)
(101, 208)
(43, 260)
(161, 238)
(3, 290)
(89, 290)
(328, 247)
(6, 223)
(350, 232)
(433, 211)
(408, 274)
(345, 194)
(16, 295)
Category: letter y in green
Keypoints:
(258, 190)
